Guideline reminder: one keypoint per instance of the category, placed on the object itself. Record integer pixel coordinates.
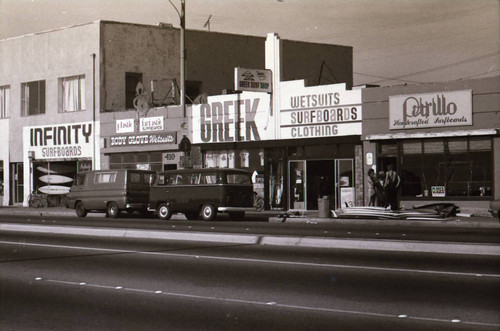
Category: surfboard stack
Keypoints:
(54, 181)
(427, 212)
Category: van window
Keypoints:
(105, 177)
(149, 179)
(238, 179)
(134, 177)
(195, 179)
(208, 179)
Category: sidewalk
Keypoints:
(310, 217)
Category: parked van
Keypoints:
(111, 191)
(204, 192)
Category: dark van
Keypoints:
(111, 191)
(204, 192)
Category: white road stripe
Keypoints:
(275, 304)
(248, 260)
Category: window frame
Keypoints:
(81, 105)
(26, 104)
(4, 101)
(448, 163)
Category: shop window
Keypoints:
(33, 98)
(146, 161)
(388, 149)
(460, 167)
(131, 81)
(72, 93)
(4, 101)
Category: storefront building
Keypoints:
(54, 97)
(132, 141)
(309, 148)
(443, 140)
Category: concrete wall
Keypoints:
(212, 57)
(303, 60)
(150, 50)
(47, 56)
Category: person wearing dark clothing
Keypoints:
(379, 188)
(391, 185)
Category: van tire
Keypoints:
(208, 212)
(164, 211)
(80, 209)
(112, 210)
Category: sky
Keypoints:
(394, 42)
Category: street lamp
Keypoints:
(182, 16)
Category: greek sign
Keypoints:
(233, 117)
(319, 111)
(67, 141)
(441, 109)
(143, 139)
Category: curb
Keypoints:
(455, 222)
(252, 239)
(484, 223)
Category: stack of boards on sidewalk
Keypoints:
(436, 211)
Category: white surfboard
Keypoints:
(54, 189)
(56, 168)
(55, 179)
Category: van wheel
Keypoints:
(208, 212)
(113, 210)
(192, 216)
(80, 209)
(164, 211)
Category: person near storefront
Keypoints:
(391, 186)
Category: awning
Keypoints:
(442, 134)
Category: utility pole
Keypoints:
(183, 58)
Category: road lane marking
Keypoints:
(249, 260)
(275, 304)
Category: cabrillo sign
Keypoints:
(438, 109)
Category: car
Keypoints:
(111, 191)
(495, 208)
(202, 192)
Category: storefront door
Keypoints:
(297, 197)
(16, 183)
(309, 181)
(344, 176)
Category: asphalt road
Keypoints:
(50, 282)
(258, 225)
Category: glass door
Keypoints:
(344, 173)
(297, 197)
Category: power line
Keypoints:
(438, 68)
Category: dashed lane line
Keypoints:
(272, 304)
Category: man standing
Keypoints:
(391, 186)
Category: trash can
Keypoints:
(324, 207)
